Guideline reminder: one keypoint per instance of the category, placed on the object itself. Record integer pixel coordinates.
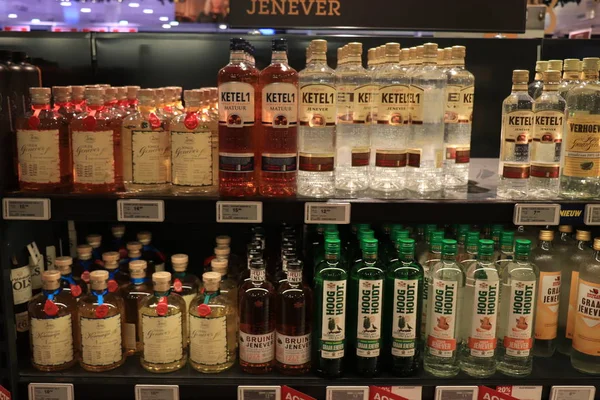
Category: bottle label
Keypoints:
(294, 276)
(441, 338)
(459, 104)
(317, 105)
(150, 155)
(22, 321)
(39, 156)
(518, 339)
(162, 338)
(390, 158)
(416, 105)
(208, 340)
(191, 158)
(20, 278)
(101, 340)
(394, 105)
(370, 301)
(257, 349)
(316, 162)
(404, 323)
(582, 147)
(572, 305)
(516, 171)
(587, 319)
(280, 105)
(363, 104)
(345, 104)
(257, 275)
(236, 162)
(545, 170)
(130, 336)
(333, 323)
(482, 338)
(278, 162)
(517, 128)
(93, 157)
(236, 104)
(425, 302)
(547, 136)
(36, 273)
(360, 156)
(460, 154)
(52, 340)
(546, 318)
(293, 350)
(414, 158)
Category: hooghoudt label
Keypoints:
(316, 162)
(20, 279)
(546, 318)
(404, 323)
(257, 349)
(459, 104)
(518, 334)
(38, 155)
(582, 146)
(52, 340)
(293, 350)
(236, 162)
(93, 157)
(416, 105)
(191, 158)
(370, 301)
(518, 129)
(101, 340)
(208, 340)
(442, 318)
(317, 105)
(363, 103)
(572, 304)
(547, 136)
(280, 105)
(587, 320)
(333, 323)
(236, 104)
(162, 338)
(482, 338)
(394, 105)
(150, 152)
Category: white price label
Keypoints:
(456, 392)
(259, 392)
(156, 392)
(522, 392)
(409, 392)
(132, 210)
(26, 209)
(536, 214)
(592, 214)
(50, 391)
(572, 393)
(329, 213)
(347, 393)
(245, 212)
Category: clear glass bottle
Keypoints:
(133, 294)
(470, 254)
(564, 245)
(517, 312)
(185, 284)
(100, 316)
(163, 327)
(68, 282)
(517, 131)
(227, 287)
(535, 88)
(213, 324)
(570, 78)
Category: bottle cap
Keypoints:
(354, 49)
(523, 246)
(441, 56)
(507, 237)
(98, 279)
(279, 44)
(132, 92)
(436, 236)
(161, 281)
(449, 246)
(401, 234)
(84, 250)
(211, 281)
(556, 65)
(371, 56)
(547, 235)
(412, 52)
(485, 247)
(169, 92)
(392, 49)
(143, 94)
(51, 279)
(369, 245)
(583, 235)
(110, 93)
(597, 243)
(110, 256)
(420, 51)
(472, 239)
(61, 92)
(572, 65)
(219, 265)
(134, 246)
(180, 259)
(118, 230)
(430, 50)
(223, 240)
(520, 76)
(552, 76)
(94, 240)
(64, 261)
(192, 96)
(404, 54)
(39, 91)
(222, 251)
(121, 92)
(144, 237)
(77, 92)
(565, 228)
(540, 66)
(332, 245)
(318, 46)
(138, 265)
(590, 64)
(406, 245)
(458, 52)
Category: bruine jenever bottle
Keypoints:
(68, 281)
(133, 294)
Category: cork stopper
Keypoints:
(583, 235)
(99, 280)
(161, 281)
(556, 65)
(94, 240)
(192, 96)
(144, 237)
(219, 265)
(520, 76)
(132, 92)
(430, 50)
(211, 281)
(118, 231)
(84, 251)
(134, 247)
(354, 49)
(223, 240)
(121, 92)
(597, 243)
(95, 95)
(392, 49)
(111, 260)
(51, 280)
(61, 93)
(318, 46)
(590, 64)
(64, 261)
(77, 92)
(541, 66)
(137, 269)
(553, 76)
(179, 262)
(458, 52)
(546, 235)
(222, 251)
(143, 94)
(572, 65)
(565, 228)
(110, 94)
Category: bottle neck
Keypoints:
(192, 107)
(571, 75)
(449, 256)
(162, 293)
(279, 57)
(590, 76)
(406, 257)
(582, 244)
(429, 60)
(519, 87)
(332, 257)
(486, 258)
(545, 245)
(237, 57)
(522, 257)
(369, 256)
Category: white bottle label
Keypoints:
(393, 105)
(208, 340)
(587, 319)
(191, 158)
(518, 130)
(482, 338)
(38, 155)
(416, 105)
(441, 338)
(317, 105)
(20, 278)
(150, 154)
(236, 104)
(518, 339)
(333, 323)
(130, 337)
(363, 104)
(162, 338)
(546, 313)
(547, 136)
(52, 340)
(293, 350)
(257, 274)
(280, 105)
(368, 333)
(294, 276)
(257, 349)
(459, 104)
(101, 340)
(93, 157)
(404, 322)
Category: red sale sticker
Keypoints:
(383, 393)
(485, 393)
(287, 393)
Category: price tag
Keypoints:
(536, 214)
(4, 393)
(326, 213)
(132, 210)
(592, 214)
(456, 392)
(522, 392)
(347, 393)
(156, 392)
(50, 391)
(245, 212)
(410, 392)
(572, 393)
(26, 209)
(259, 393)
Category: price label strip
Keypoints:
(572, 393)
(26, 209)
(347, 393)
(245, 212)
(259, 392)
(592, 214)
(50, 391)
(326, 213)
(156, 392)
(522, 392)
(536, 214)
(456, 392)
(132, 210)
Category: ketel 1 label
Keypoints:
(485, 393)
(287, 393)
(380, 393)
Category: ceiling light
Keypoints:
(134, 5)
(166, 26)
(164, 19)
(123, 22)
(222, 26)
(65, 3)
(174, 23)
(86, 10)
(12, 16)
(35, 21)
(148, 11)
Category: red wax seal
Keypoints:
(34, 122)
(191, 120)
(50, 308)
(203, 310)
(89, 122)
(123, 253)
(154, 121)
(113, 286)
(168, 109)
(101, 311)
(75, 290)
(85, 276)
(162, 307)
(177, 285)
(99, 263)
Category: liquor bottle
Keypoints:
(316, 133)
(578, 257)
(329, 326)
(354, 89)
(68, 282)
(118, 244)
(154, 257)
(570, 78)
(257, 322)
(293, 313)
(580, 169)
(100, 316)
(134, 251)
(227, 287)
(20, 279)
(446, 281)
(133, 294)
(517, 130)
(78, 98)
(458, 120)
(163, 327)
(84, 264)
(192, 153)
(428, 262)
(170, 102)
(461, 238)
(564, 245)
(535, 88)
(43, 146)
(132, 98)
(480, 314)
(517, 312)
(53, 326)
(117, 279)
(111, 103)
(213, 326)
(146, 147)
(122, 103)
(403, 301)
(238, 84)
(95, 241)
(184, 284)
(62, 102)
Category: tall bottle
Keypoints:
(84, 264)
(517, 131)
(517, 312)
(133, 294)
(570, 78)
(535, 88)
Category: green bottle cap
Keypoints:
(406, 246)
(485, 247)
(331, 234)
(472, 238)
(507, 237)
(332, 245)
(369, 245)
(497, 232)
(449, 246)
(430, 227)
(436, 236)
(523, 246)
(358, 227)
(462, 231)
(401, 234)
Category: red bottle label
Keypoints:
(390, 158)
(360, 157)
(101, 311)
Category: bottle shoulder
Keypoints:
(522, 98)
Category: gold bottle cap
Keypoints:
(572, 64)
(380, 54)
(371, 56)
(354, 49)
(318, 46)
(583, 235)
(420, 51)
(159, 93)
(520, 76)
(392, 49)
(161, 281)
(91, 92)
(556, 65)
(546, 235)
(98, 280)
(211, 281)
(61, 91)
(77, 91)
(147, 94)
(597, 243)
(51, 279)
(222, 251)
(194, 96)
(84, 250)
(94, 240)
(110, 256)
(121, 92)
(448, 55)
(430, 50)
(441, 56)
(541, 66)
(458, 52)
(137, 265)
(405, 55)
(219, 266)
(134, 246)
(565, 228)
(590, 64)
(223, 240)
(180, 260)
(340, 55)
(552, 76)
(118, 230)
(169, 93)
(413, 53)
